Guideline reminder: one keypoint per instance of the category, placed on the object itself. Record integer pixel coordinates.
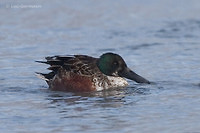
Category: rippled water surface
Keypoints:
(160, 40)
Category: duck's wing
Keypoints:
(78, 64)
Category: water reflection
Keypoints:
(78, 102)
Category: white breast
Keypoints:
(117, 81)
(114, 82)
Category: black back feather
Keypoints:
(80, 64)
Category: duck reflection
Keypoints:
(112, 98)
(89, 104)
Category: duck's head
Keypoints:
(113, 65)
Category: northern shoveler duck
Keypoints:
(86, 73)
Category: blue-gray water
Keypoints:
(159, 40)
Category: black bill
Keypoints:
(129, 74)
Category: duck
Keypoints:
(86, 73)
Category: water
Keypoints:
(159, 40)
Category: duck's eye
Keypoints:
(115, 63)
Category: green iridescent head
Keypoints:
(113, 65)
(110, 64)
